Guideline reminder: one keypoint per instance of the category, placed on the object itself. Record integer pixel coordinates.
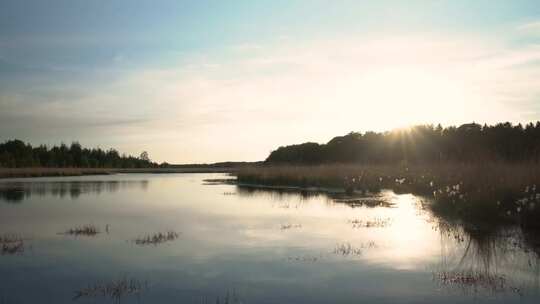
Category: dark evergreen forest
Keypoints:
(17, 154)
(421, 144)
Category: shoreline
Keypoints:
(53, 172)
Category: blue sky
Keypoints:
(203, 81)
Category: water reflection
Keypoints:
(498, 260)
(494, 259)
(18, 191)
(279, 193)
(358, 200)
(196, 243)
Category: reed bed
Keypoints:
(40, 172)
(156, 238)
(483, 192)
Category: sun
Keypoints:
(402, 96)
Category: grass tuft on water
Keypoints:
(84, 230)
(11, 244)
(114, 290)
(156, 238)
(371, 223)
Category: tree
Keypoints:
(16, 154)
(144, 156)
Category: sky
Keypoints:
(208, 81)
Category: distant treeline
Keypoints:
(17, 154)
(426, 143)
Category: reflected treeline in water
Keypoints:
(494, 259)
(15, 192)
(364, 199)
(278, 193)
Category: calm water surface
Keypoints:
(242, 246)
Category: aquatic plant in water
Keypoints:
(347, 249)
(157, 238)
(474, 281)
(85, 230)
(11, 244)
(370, 223)
(114, 290)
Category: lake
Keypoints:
(229, 244)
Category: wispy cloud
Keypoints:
(530, 27)
(251, 97)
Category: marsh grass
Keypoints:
(39, 172)
(484, 192)
(475, 281)
(114, 290)
(42, 172)
(156, 238)
(84, 230)
(11, 244)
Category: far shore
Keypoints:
(45, 172)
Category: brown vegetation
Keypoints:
(42, 172)
(500, 192)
